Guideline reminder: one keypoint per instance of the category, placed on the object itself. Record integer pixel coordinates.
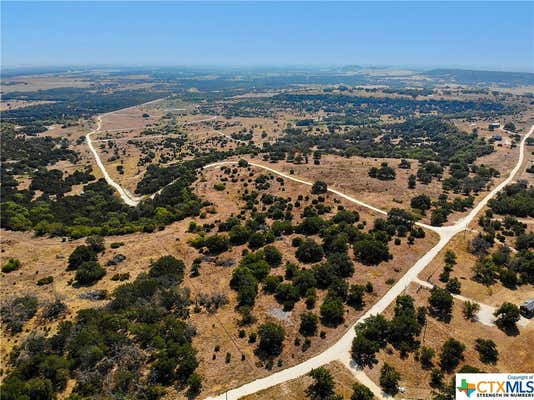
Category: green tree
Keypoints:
(507, 316)
(470, 310)
(421, 202)
(195, 384)
(239, 235)
(355, 296)
(271, 339)
(454, 285)
(332, 311)
(361, 392)
(363, 351)
(412, 181)
(309, 252)
(80, 255)
(451, 354)
(389, 379)
(450, 257)
(425, 355)
(319, 187)
(308, 324)
(441, 302)
(371, 252)
(487, 351)
(167, 268)
(272, 255)
(322, 387)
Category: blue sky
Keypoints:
(481, 35)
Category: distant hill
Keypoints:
(469, 77)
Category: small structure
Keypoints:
(527, 308)
(496, 137)
(494, 125)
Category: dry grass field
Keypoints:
(213, 329)
(121, 145)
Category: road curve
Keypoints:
(340, 350)
(126, 196)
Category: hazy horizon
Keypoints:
(490, 36)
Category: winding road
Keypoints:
(340, 350)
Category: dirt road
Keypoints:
(340, 350)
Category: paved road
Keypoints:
(340, 350)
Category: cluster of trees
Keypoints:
(453, 285)
(401, 332)
(27, 154)
(360, 106)
(511, 270)
(423, 139)
(301, 283)
(84, 260)
(51, 182)
(516, 199)
(106, 350)
(460, 180)
(384, 172)
(72, 103)
(443, 208)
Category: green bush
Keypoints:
(89, 273)
(11, 265)
(45, 281)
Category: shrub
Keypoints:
(45, 281)
(54, 309)
(89, 272)
(121, 276)
(11, 265)
(16, 312)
